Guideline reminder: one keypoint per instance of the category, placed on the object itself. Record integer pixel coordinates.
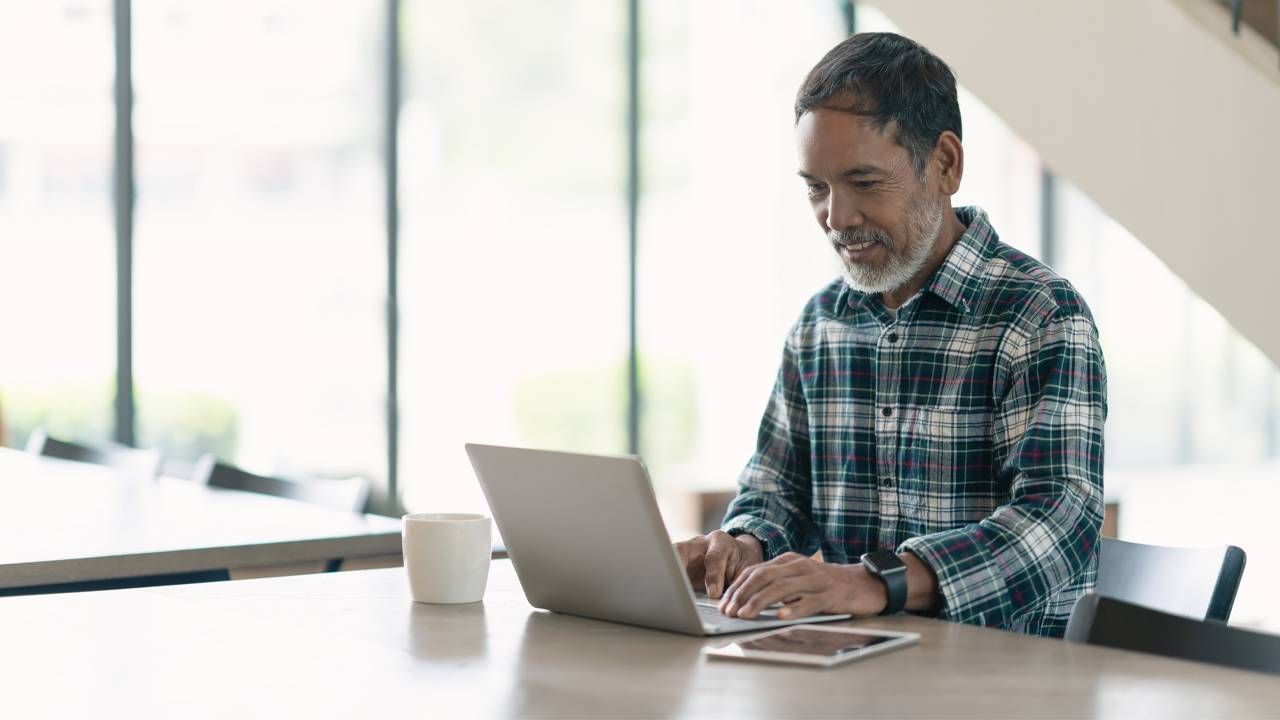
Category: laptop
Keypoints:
(585, 537)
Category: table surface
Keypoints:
(67, 522)
(355, 645)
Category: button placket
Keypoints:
(888, 379)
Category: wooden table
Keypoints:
(66, 522)
(355, 645)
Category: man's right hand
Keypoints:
(715, 559)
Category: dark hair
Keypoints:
(889, 79)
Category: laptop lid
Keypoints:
(585, 536)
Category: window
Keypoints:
(260, 243)
(1192, 450)
(260, 250)
(57, 250)
(729, 251)
(513, 273)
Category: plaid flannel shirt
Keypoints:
(967, 430)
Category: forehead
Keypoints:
(834, 140)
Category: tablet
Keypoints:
(818, 645)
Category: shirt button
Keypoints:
(893, 337)
(886, 482)
(886, 412)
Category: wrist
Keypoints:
(922, 585)
(752, 546)
(862, 594)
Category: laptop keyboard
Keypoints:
(715, 621)
(709, 613)
(705, 603)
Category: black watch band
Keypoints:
(892, 572)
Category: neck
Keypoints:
(951, 231)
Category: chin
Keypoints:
(869, 285)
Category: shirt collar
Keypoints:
(959, 280)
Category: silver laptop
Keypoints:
(585, 537)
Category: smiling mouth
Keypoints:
(858, 247)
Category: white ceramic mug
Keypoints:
(447, 556)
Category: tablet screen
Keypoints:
(806, 641)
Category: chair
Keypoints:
(1198, 583)
(1108, 622)
(351, 494)
(134, 461)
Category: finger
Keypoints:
(755, 579)
(781, 590)
(693, 569)
(696, 575)
(734, 571)
(741, 577)
(720, 554)
(735, 578)
(682, 553)
(687, 552)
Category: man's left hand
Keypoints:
(806, 586)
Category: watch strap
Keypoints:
(894, 579)
(896, 583)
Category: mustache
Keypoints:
(857, 236)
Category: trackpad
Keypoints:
(702, 600)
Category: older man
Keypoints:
(936, 425)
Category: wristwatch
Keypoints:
(887, 566)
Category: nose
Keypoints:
(842, 212)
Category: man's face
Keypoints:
(881, 219)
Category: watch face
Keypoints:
(883, 561)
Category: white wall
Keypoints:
(1167, 121)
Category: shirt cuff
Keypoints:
(771, 536)
(972, 589)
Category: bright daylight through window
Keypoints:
(261, 251)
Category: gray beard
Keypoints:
(923, 223)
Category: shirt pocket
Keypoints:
(946, 468)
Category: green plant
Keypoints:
(584, 409)
(182, 424)
(73, 411)
(188, 424)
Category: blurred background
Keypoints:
(366, 232)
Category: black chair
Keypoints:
(350, 494)
(1108, 622)
(1199, 583)
(134, 461)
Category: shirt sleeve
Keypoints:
(774, 491)
(1048, 436)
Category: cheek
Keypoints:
(901, 240)
(893, 219)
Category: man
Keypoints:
(939, 409)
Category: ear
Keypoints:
(948, 160)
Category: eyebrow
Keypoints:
(859, 171)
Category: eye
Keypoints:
(865, 184)
(815, 188)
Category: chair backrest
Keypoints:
(346, 494)
(1109, 622)
(1198, 583)
(134, 461)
